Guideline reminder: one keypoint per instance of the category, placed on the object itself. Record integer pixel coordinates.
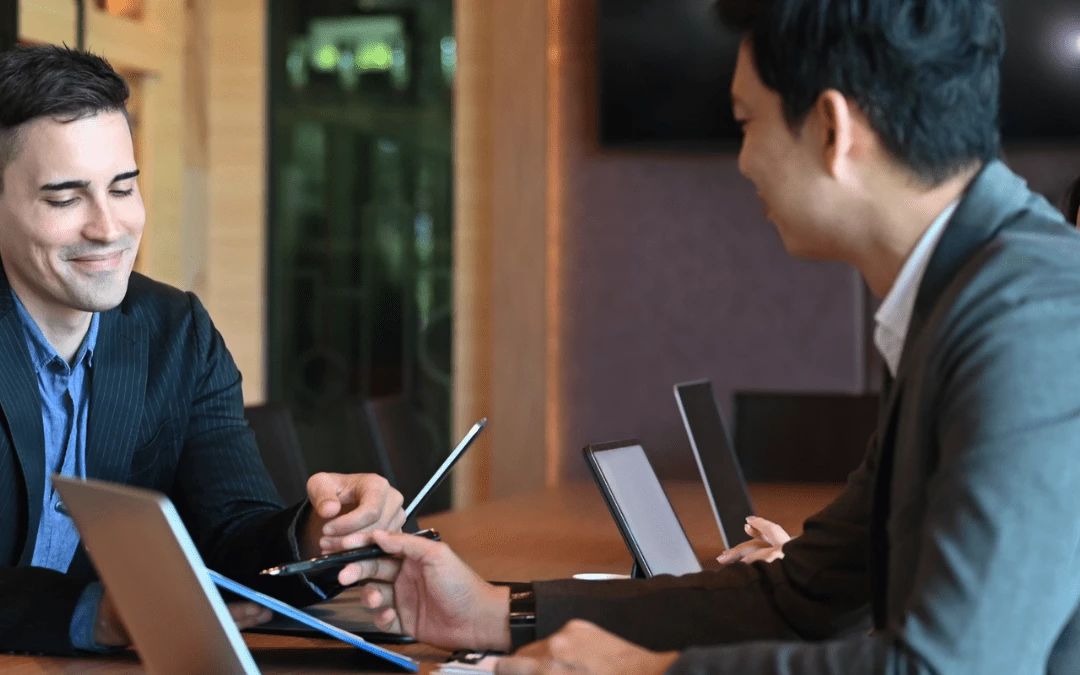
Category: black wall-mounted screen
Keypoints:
(666, 67)
(1040, 76)
(665, 72)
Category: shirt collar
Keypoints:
(41, 352)
(894, 315)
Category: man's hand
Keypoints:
(768, 540)
(343, 507)
(582, 648)
(109, 631)
(430, 594)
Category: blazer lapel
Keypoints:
(117, 393)
(21, 406)
(987, 206)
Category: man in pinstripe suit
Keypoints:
(110, 375)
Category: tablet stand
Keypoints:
(636, 572)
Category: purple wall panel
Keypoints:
(670, 273)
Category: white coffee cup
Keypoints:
(599, 576)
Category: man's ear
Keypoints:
(837, 137)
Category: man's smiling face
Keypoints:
(71, 215)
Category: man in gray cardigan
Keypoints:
(870, 133)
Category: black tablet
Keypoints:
(641, 509)
(716, 460)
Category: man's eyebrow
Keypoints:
(65, 185)
(83, 184)
(125, 176)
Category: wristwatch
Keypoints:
(522, 615)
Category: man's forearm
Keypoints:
(262, 541)
(666, 612)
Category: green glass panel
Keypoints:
(359, 268)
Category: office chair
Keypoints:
(402, 444)
(802, 437)
(279, 446)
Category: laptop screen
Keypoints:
(716, 459)
(642, 510)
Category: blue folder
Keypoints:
(303, 617)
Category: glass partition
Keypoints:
(359, 268)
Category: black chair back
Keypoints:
(279, 446)
(403, 445)
(802, 437)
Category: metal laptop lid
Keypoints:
(174, 614)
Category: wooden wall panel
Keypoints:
(506, 247)
(236, 193)
(162, 144)
(195, 220)
(556, 139)
(519, 187)
(473, 173)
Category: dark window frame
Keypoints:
(9, 23)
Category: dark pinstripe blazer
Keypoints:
(166, 412)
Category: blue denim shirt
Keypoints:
(65, 403)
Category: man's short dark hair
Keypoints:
(56, 82)
(927, 73)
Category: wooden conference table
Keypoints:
(545, 535)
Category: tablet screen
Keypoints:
(642, 510)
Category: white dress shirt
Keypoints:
(894, 315)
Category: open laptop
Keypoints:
(716, 459)
(641, 509)
(163, 593)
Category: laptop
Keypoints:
(641, 509)
(165, 596)
(716, 459)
